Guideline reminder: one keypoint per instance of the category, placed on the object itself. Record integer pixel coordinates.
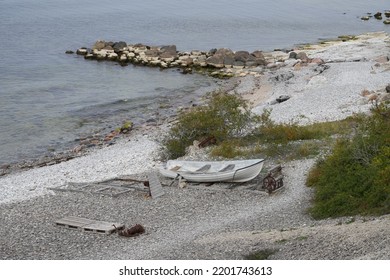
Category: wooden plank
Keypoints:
(88, 225)
(156, 189)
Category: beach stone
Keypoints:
(196, 53)
(387, 21)
(89, 56)
(241, 56)
(216, 61)
(108, 48)
(169, 50)
(152, 53)
(119, 46)
(112, 56)
(302, 56)
(387, 14)
(282, 98)
(99, 45)
(365, 18)
(292, 55)
(212, 52)
(378, 15)
(317, 61)
(388, 88)
(69, 52)
(82, 51)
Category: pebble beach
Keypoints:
(217, 221)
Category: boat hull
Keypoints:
(213, 171)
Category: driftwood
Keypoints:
(131, 232)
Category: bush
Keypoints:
(270, 131)
(355, 178)
(225, 116)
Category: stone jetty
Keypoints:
(215, 62)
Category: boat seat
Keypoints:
(204, 168)
(227, 168)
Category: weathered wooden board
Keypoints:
(156, 189)
(88, 225)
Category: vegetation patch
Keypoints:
(352, 175)
(224, 117)
(355, 177)
(260, 255)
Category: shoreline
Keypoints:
(214, 222)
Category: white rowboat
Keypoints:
(213, 171)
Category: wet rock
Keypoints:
(365, 18)
(387, 21)
(388, 88)
(69, 52)
(119, 46)
(378, 15)
(82, 51)
(387, 14)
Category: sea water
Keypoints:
(49, 98)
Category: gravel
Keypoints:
(220, 221)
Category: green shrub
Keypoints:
(225, 116)
(260, 255)
(355, 177)
(270, 131)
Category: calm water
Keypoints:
(48, 98)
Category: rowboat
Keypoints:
(213, 171)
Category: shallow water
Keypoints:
(48, 98)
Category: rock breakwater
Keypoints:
(169, 57)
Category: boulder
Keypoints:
(378, 15)
(152, 53)
(302, 56)
(258, 54)
(82, 51)
(212, 52)
(119, 46)
(99, 45)
(217, 60)
(112, 56)
(292, 55)
(169, 50)
(108, 48)
(228, 61)
(224, 52)
(242, 56)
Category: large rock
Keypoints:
(119, 46)
(99, 45)
(168, 50)
(217, 60)
(224, 52)
(242, 56)
(152, 53)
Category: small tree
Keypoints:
(224, 116)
